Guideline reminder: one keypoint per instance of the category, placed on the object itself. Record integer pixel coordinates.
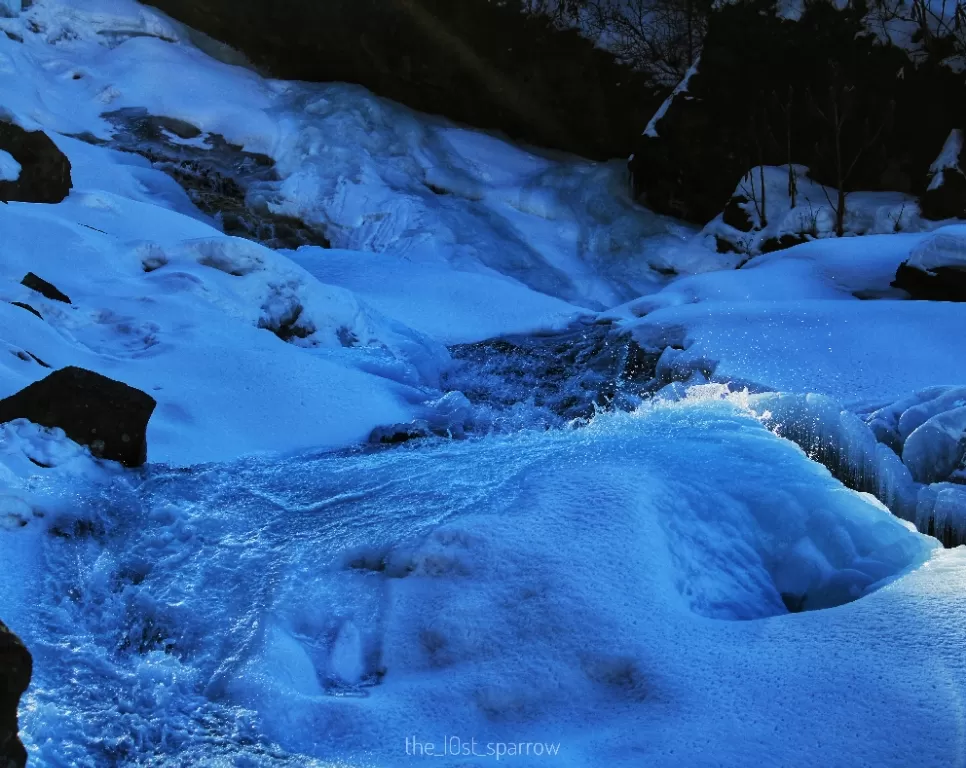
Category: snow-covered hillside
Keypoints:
(672, 584)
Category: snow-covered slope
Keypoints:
(376, 176)
(464, 237)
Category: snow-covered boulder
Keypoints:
(16, 668)
(108, 416)
(43, 171)
(936, 269)
(774, 208)
(945, 195)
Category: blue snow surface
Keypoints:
(616, 590)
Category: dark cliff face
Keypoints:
(474, 61)
(769, 91)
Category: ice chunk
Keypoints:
(935, 450)
(942, 513)
(843, 443)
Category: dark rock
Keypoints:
(37, 360)
(292, 324)
(940, 284)
(782, 242)
(761, 74)
(479, 62)
(221, 178)
(16, 668)
(401, 433)
(947, 200)
(44, 288)
(945, 195)
(722, 245)
(30, 309)
(736, 216)
(44, 169)
(108, 416)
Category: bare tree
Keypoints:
(837, 113)
(662, 37)
(940, 24)
(785, 107)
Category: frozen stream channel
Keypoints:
(621, 589)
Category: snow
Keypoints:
(680, 88)
(467, 590)
(947, 248)
(450, 306)
(813, 216)
(513, 231)
(266, 592)
(180, 330)
(9, 168)
(853, 352)
(948, 159)
(799, 320)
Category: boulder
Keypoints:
(108, 416)
(938, 284)
(484, 63)
(936, 269)
(765, 92)
(44, 170)
(945, 195)
(16, 668)
(45, 289)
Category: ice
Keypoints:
(935, 450)
(844, 443)
(272, 590)
(328, 606)
(942, 512)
